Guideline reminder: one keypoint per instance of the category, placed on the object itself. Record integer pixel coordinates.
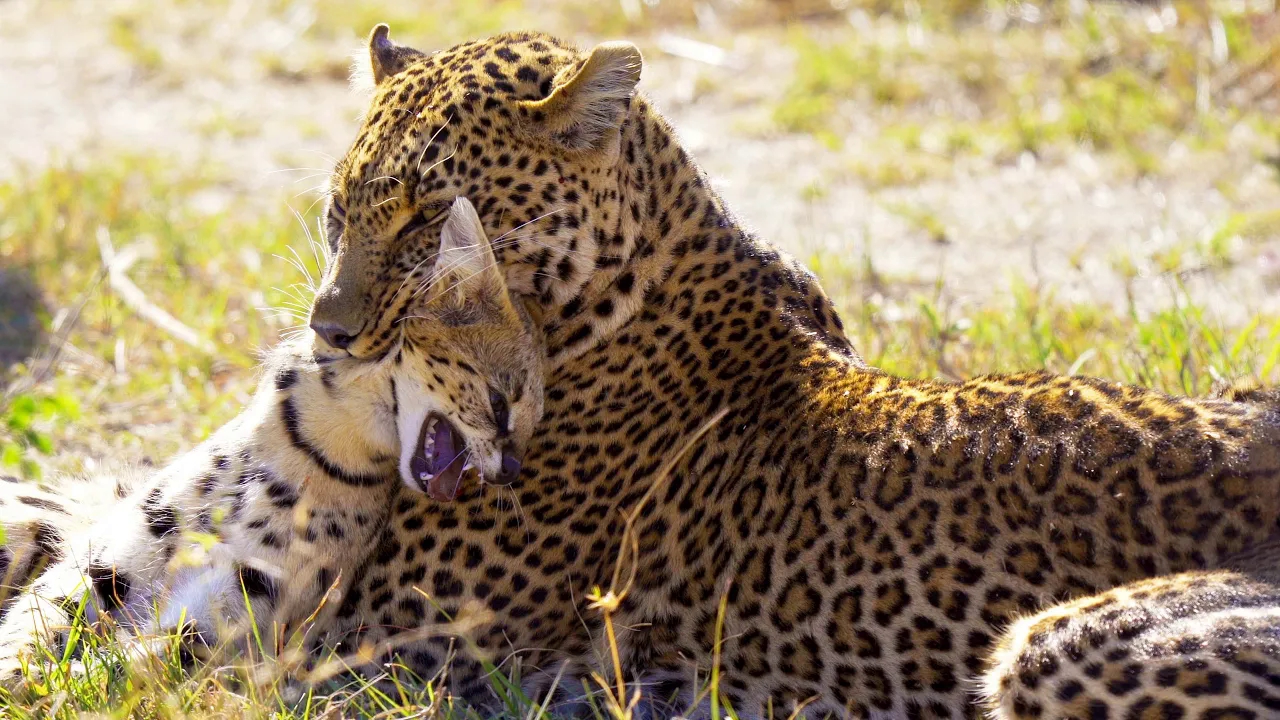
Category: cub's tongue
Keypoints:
(446, 485)
(438, 464)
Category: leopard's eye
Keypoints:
(501, 413)
(337, 212)
(335, 222)
(428, 216)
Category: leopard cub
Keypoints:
(268, 520)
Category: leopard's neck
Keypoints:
(672, 226)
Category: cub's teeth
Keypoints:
(425, 476)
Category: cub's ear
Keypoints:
(387, 58)
(466, 271)
(588, 100)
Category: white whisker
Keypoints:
(311, 283)
(502, 240)
(320, 198)
(525, 224)
(441, 160)
(431, 140)
(324, 174)
(277, 312)
(412, 272)
(523, 519)
(325, 252)
(313, 189)
(323, 155)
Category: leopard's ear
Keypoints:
(588, 100)
(387, 58)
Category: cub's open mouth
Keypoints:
(440, 458)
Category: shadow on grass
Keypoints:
(22, 308)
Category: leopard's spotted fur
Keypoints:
(1200, 644)
(870, 537)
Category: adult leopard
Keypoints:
(869, 537)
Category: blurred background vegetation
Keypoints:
(983, 185)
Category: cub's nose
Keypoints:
(510, 468)
(335, 334)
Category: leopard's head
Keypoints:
(525, 126)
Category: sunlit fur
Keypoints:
(1202, 644)
(870, 537)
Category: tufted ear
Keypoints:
(387, 58)
(588, 102)
(466, 278)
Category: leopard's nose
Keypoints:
(338, 313)
(337, 335)
(510, 468)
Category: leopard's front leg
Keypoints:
(106, 573)
(39, 625)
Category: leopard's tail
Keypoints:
(38, 519)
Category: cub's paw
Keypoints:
(11, 675)
(17, 667)
(187, 645)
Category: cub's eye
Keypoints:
(501, 413)
(428, 216)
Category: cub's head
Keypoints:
(467, 372)
(527, 127)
